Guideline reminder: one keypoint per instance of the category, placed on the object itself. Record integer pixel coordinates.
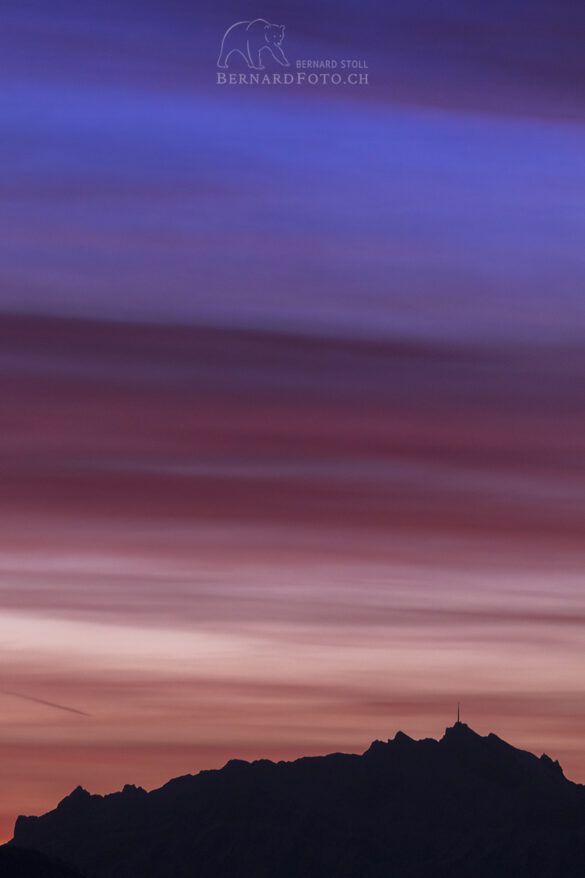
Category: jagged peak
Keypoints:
(553, 764)
(460, 732)
(402, 738)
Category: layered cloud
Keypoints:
(292, 431)
(228, 541)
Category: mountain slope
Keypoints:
(16, 863)
(461, 806)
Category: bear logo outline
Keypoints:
(250, 39)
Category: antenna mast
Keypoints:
(458, 711)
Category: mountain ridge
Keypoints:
(461, 805)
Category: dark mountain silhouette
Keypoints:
(462, 806)
(16, 863)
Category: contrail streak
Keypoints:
(43, 701)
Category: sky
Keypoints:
(292, 379)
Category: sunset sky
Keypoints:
(293, 386)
